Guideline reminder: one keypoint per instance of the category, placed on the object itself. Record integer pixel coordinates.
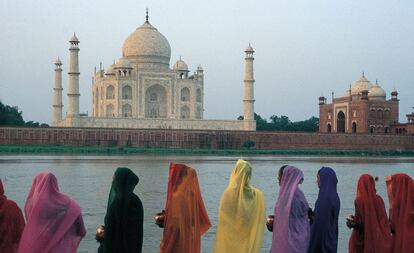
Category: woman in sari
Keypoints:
(371, 229)
(124, 215)
(241, 214)
(186, 218)
(401, 197)
(324, 228)
(54, 221)
(11, 223)
(291, 224)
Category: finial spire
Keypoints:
(363, 74)
(376, 81)
(146, 17)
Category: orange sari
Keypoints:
(186, 217)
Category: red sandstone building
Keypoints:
(404, 128)
(363, 109)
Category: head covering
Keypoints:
(11, 223)
(291, 225)
(186, 217)
(124, 215)
(324, 229)
(54, 221)
(400, 189)
(241, 214)
(370, 213)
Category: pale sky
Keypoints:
(304, 49)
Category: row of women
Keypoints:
(54, 221)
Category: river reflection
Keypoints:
(87, 179)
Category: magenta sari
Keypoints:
(54, 221)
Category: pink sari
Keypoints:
(54, 221)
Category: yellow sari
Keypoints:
(241, 214)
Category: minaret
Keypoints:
(248, 101)
(57, 94)
(73, 82)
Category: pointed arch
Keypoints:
(185, 112)
(126, 111)
(340, 122)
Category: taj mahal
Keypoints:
(141, 90)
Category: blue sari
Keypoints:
(324, 228)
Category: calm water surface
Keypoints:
(87, 179)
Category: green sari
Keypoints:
(124, 216)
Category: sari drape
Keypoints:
(54, 221)
(124, 215)
(11, 223)
(324, 228)
(400, 190)
(375, 236)
(291, 230)
(186, 218)
(241, 216)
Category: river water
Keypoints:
(87, 179)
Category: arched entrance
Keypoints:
(340, 122)
(354, 127)
(156, 102)
(329, 128)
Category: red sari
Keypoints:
(11, 223)
(375, 235)
(401, 196)
(186, 217)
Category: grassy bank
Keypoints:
(40, 149)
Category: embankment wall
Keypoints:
(215, 139)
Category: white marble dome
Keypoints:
(148, 44)
(180, 65)
(376, 93)
(360, 85)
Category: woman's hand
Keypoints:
(159, 219)
(350, 221)
(100, 233)
(269, 222)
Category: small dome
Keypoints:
(58, 62)
(180, 65)
(376, 92)
(360, 85)
(123, 63)
(110, 70)
(249, 49)
(74, 38)
(199, 68)
(148, 44)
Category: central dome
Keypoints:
(360, 85)
(147, 45)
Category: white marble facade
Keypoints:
(140, 90)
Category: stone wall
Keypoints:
(112, 122)
(201, 139)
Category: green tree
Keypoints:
(283, 123)
(249, 144)
(10, 116)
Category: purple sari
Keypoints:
(291, 230)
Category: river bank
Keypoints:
(49, 149)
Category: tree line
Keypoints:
(12, 116)
(283, 123)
